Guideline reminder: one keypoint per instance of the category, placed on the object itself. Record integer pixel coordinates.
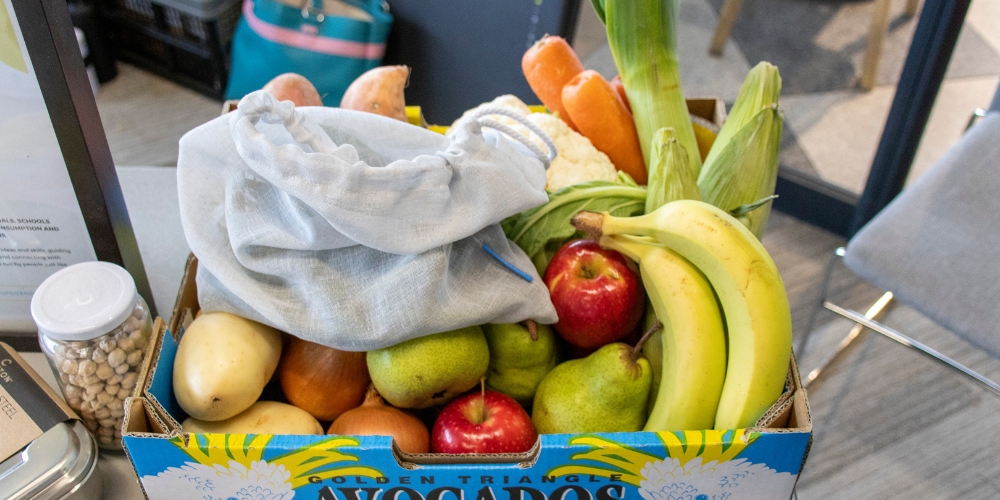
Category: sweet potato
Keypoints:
(294, 87)
(380, 91)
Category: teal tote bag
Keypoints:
(330, 50)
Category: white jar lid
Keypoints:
(83, 301)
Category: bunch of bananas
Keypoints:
(695, 258)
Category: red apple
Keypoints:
(598, 297)
(483, 422)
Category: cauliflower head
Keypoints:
(577, 160)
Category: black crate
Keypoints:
(190, 49)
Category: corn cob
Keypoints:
(742, 166)
(670, 175)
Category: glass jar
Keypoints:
(94, 328)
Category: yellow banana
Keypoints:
(753, 298)
(694, 343)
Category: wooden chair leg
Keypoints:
(726, 18)
(876, 37)
(911, 7)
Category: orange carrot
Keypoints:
(547, 66)
(616, 82)
(601, 116)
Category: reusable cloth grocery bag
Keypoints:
(358, 231)
(331, 47)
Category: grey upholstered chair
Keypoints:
(936, 247)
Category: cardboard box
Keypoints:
(762, 462)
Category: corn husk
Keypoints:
(742, 212)
(746, 169)
(761, 88)
(670, 174)
(742, 166)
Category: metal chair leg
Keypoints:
(977, 115)
(872, 313)
(913, 344)
(824, 288)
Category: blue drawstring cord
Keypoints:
(525, 276)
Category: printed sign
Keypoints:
(42, 228)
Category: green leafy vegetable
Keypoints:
(542, 230)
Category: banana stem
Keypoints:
(655, 327)
(591, 223)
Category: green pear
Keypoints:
(430, 370)
(518, 359)
(604, 392)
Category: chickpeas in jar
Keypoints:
(95, 330)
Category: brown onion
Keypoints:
(375, 418)
(322, 380)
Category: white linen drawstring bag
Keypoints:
(358, 231)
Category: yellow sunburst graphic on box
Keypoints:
(628, 463)
(221, 449)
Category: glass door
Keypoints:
(832, 207)
(858, 83)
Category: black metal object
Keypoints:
(21, 343)
(190, 50)
(933, 43)
(85, 16)
(811, 200)
(52, 47)
(466, 53)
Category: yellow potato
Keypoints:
(222, 364)
(263, 417)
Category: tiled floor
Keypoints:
(144, 116)
(984, 15)
(840, 130)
